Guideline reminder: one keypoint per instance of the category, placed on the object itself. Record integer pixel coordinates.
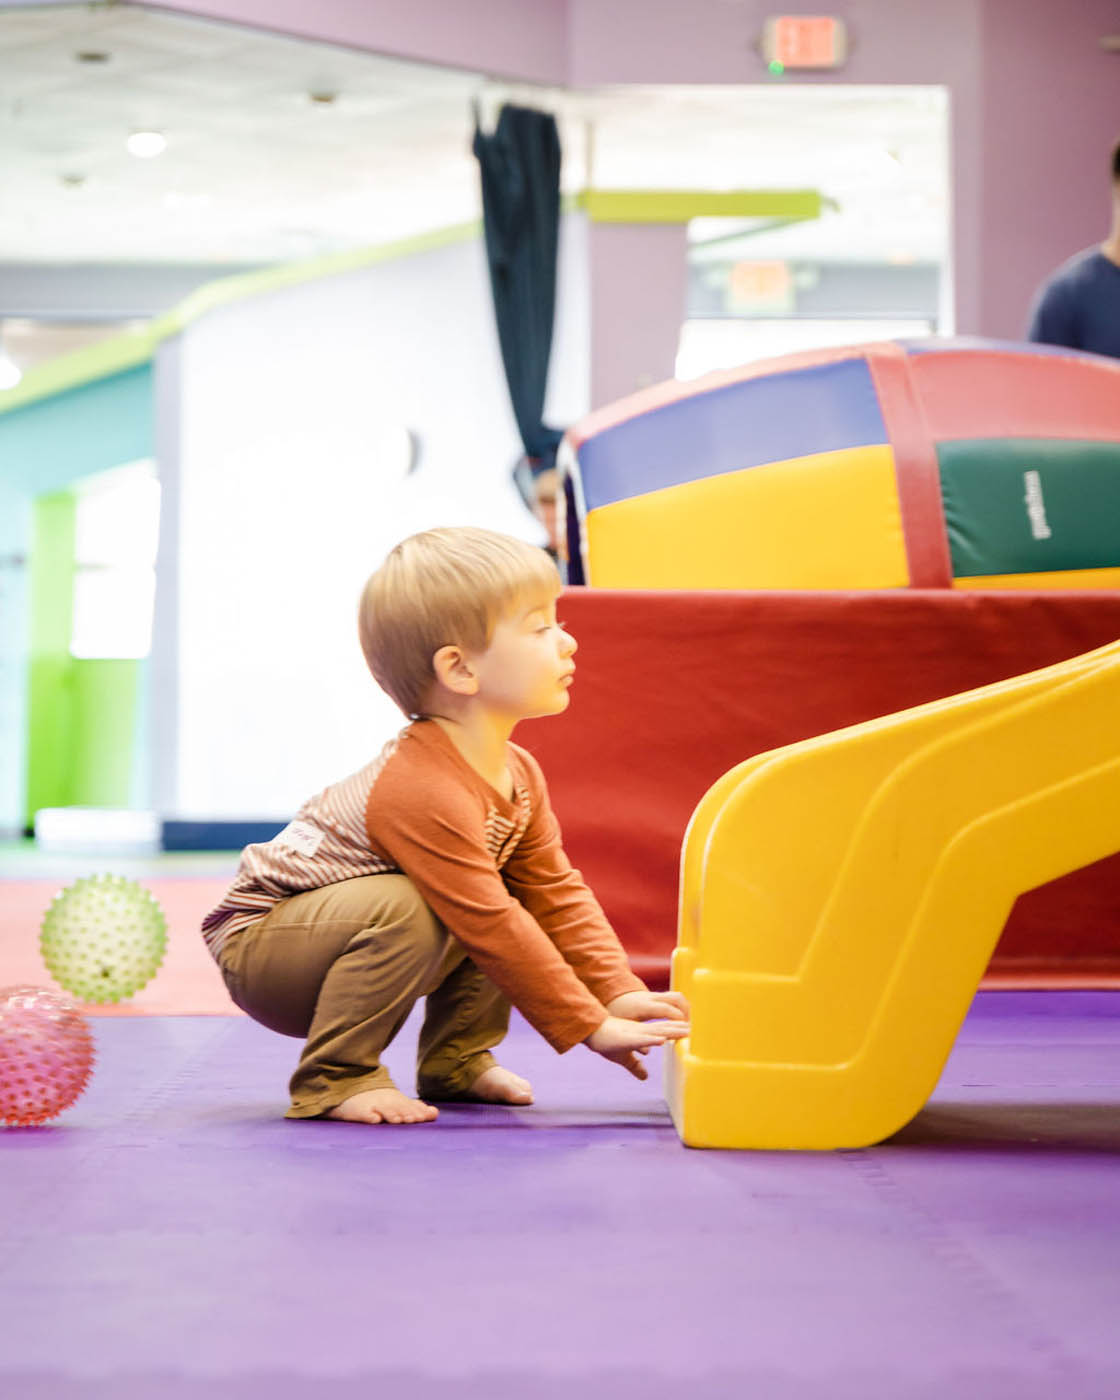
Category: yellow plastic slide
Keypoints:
(841, 898)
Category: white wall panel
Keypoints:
(288, 494)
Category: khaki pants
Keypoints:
(343, 966)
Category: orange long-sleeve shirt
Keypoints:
(492, 869)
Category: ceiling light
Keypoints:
(146, 144)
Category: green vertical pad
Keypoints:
(1030, 505)
(106, 698)
(50, 717)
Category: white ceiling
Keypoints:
(257, 171)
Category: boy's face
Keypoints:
(527, 668)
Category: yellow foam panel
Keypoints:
(1057, 578)
(830, 520)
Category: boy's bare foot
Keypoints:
(498, 1085)
(383, 1106)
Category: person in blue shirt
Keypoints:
(1079, 306)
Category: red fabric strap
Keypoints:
(916, 470)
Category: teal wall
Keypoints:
(51, 442)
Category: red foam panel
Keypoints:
(674, 688)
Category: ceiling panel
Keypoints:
(256, 171)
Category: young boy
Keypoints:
(437, 870)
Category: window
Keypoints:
(116, 536)
(716, 343)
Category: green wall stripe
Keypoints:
(679, 206)
(111, 356)
(133, 348)
(105, 717)
(83, 713)
(1030, 505)
(50, 720)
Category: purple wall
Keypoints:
(711, 41)
(1049, 116)
(506, 38)
(638, 276)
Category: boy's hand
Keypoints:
(649, 1006)
(622, 1041)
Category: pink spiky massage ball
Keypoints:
(46, 1054)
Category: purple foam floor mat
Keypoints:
(173, 1236)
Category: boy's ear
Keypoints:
(453, 670)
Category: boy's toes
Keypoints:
(383, 1106)
(499, 1085)
(519, 1090)
(356, 1109)
(419, 1112)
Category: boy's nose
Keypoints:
(568, 645)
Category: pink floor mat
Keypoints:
(188, 982)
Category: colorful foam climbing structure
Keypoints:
(899, 464)
(840, 899)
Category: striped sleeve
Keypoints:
(326, 842)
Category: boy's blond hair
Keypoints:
(446, 587)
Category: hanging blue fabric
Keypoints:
(520, 169)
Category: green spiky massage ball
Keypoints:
(103, 938)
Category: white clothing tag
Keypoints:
(301, 837)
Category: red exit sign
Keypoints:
(804, 41)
